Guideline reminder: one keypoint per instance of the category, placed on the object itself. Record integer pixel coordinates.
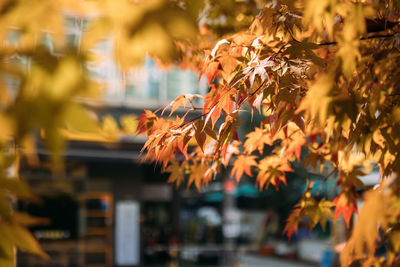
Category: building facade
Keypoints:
(107, 208)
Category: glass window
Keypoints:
(147, 82)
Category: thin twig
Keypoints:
(329, 175)
(361, 39)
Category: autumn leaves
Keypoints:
(322, 83)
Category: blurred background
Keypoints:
(107, 208)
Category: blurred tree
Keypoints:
(44, 70)
(41, 75)
(326, 74)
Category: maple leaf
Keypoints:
(272, 170)
(146, 121)
(257, 139)
(163, 152)
(294, 147)
(225, 101)
(199, 174)
(229, 150)
(215, 114)
(292, 138)
(217, 46)
(176, 172)
(200, 135)
(257, 68)
(308, 82)
(321, 90)
(228, 64)
(345, 203)
(257, 102)
(210, 107)
(349, 54)
(366, 232)
(319, 213)
(350, 165)
(175, 104)
(226, 131)
(211, 71)
(304, 51)
(243, 164)
(292, 222)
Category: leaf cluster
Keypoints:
(325, 75)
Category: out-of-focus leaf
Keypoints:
(7, 258)
(79, 119)
(16, 188)
(176, 173)
(366, 232)
(27, 220)
(21, 238)
(129, 124)
(110, 125)
(242, 165)
(321, 90)
(7, 128)
(5, 206)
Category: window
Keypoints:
(140, 86)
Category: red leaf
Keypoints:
(346, 204)
(292, 223)
(212, 71)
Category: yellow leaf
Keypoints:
(6, 253)
(317, 103)
(16, 188)
(27, 220)
(366, 232)
(21, 238)
(79, 119)
(176, 173)
(109, 125)
(129, 124)
(7, 128)
(65, 80)
(349, 54)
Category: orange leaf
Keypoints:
(176, 173)
(215, 115)
(226, 101)
(145, 121)
(256, 140)
(228, 64)
(272, 170)
(295, 146)
(292, 222)
(212, 71)
(200, 138)
(180, 100)
(346, 204)
(243, 165)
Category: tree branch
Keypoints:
(362, 38)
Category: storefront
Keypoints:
(105, 209)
